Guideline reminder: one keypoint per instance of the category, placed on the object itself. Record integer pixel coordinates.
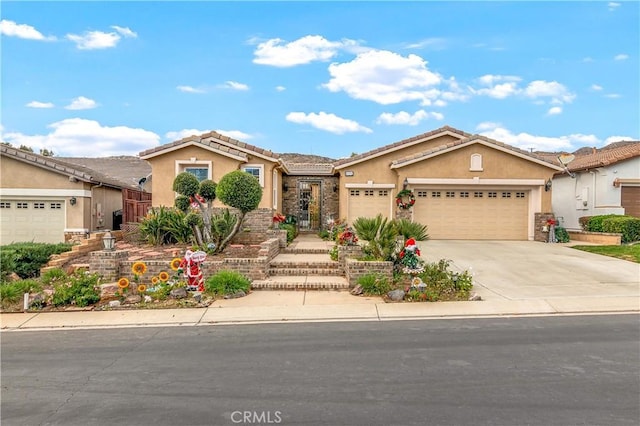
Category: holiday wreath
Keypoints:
(400, 199)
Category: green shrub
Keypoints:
(291, 231)
(324, 234)
(165, 225)
(333, 252)
(374, 284)
(81, 289)
(562, 236)
(628, 226)
(26, 259)
(442, 283)
(380, 235)
(414, 230)
(221, 226)
(240, 190)
(226, 282)
(12, 292)
(595, 223)
(52, 276)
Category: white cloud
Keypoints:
(234, 85)
(549, 89)
(433, 43)
(498, 86)
(596, 87)
(125, 31)
(613, 5)
(556, 110)
(37, 104)
(236, 134)
(328, 122)
(386, 78)
(81, 103)
(276, 52)
(12, 29)
(281, 88)
(404, 117)
(527, 141)
(613, 95)
(612, 139)
(190, 89)
(175, 135)
(621, 57)
(77, 137)
(90, 40)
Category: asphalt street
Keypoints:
(563, 370)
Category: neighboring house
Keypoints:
(466, 186)
(598, 181)
(52, 199)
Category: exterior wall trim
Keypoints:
(43, 192)
(370, 185)
(475, 181)
(196, 144)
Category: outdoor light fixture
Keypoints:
(73, 201)
(405, 183)
(547, 185)
(335, 187)
(285, 187)
(108, 241)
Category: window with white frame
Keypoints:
(256, 170)
(201, 169)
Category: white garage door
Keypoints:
(368, 203)
(473, 214)
(29, 220)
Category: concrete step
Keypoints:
(295, 250)
(301, 283)
(333, 270)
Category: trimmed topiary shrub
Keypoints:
(595, 223)
(26, 259)
(226, 282)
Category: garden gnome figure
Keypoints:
(409, 257)
(192, 271)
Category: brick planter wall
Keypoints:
(109, 264)
(355, 269)
(348, 252)
(603, 238)
(255, 227)
(280, 234)
(540, 222)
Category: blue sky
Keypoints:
(326, 78)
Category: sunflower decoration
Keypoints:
(139, 268)
(123, 283)
(175, 263)
(154, 280)
(142, 288)
(163, 276)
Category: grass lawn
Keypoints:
(630, 252)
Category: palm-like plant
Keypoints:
(414, 230)
(379, 234)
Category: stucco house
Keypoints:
(598, 181)
(466, 186)
(55, 199)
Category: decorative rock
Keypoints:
(114, 303)
(235, 295)
(36, 300)
(148, 298)
(13, 277)
(178, 293)
(108, 290)
(357, 290)
(473, 297)
(197, 296)
(396, 295)
(132, 299)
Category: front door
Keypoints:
(309, 199)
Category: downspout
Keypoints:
(92, 202)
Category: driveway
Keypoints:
(520, 270)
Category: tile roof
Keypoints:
(216, 141)
(610, 154)
(306, 164)
(399, 144)
(471, 138)
(125, 168)
(65, 167)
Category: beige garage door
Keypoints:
(29, 220)
(368, 203)
(473, 214)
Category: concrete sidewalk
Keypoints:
(310, 306)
